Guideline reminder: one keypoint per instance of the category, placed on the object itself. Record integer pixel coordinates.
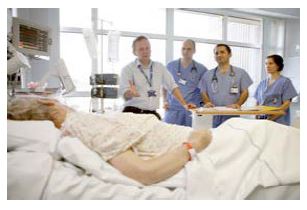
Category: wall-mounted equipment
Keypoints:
(30, 38)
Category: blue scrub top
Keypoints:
(221, 96)
(190, 90)
(176, 114)
(281, 90)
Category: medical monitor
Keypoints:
(30, 38)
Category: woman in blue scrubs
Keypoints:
(276, 90)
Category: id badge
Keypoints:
(274, 100)
(151, 93)
(234, 90)
(182, 81)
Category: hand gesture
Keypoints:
(132, 92)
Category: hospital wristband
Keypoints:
(191, 150)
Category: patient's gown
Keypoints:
(111, 134)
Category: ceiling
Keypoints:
(291, 13)
(286, 13)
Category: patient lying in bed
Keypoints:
(243, 154)
(140, 146)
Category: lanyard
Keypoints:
(149, 81)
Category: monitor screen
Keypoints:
(30, 38)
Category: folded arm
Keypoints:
(161, 167)
(285, 105)
(153, 170)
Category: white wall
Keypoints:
(292, 38)
(292, 60)
(292, 52)
(49, 18)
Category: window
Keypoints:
(125, 52)
(244, 31)
(204, 53)
(243, 35)
(204, 26)
(145, 20)
(80, 64)
(75, 54)
(249, 60)
(75, 17)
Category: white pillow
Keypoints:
(27, 174)
(40, 136)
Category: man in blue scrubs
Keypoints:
(187, 74)
(225, 85)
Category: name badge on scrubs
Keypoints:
(274, 100)
(234, 90)
(182, 81)
(151, 93)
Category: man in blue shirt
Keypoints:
(225, 85)
(187, 74)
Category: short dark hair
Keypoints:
(278, 60)
(137, 39)
(223, 45)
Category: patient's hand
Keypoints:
(200, 139)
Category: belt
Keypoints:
(141, 111)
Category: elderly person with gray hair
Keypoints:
(140, 146)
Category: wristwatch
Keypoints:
(191, 150)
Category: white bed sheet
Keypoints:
(246, 154)
(283, 192)
(71, 180)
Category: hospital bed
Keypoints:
(44, 165)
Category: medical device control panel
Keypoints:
(99, 81)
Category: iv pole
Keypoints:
(98, 80)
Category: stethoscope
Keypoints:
(193, 70)
(214, 81)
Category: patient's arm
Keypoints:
(153, 170)
(162, 167)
